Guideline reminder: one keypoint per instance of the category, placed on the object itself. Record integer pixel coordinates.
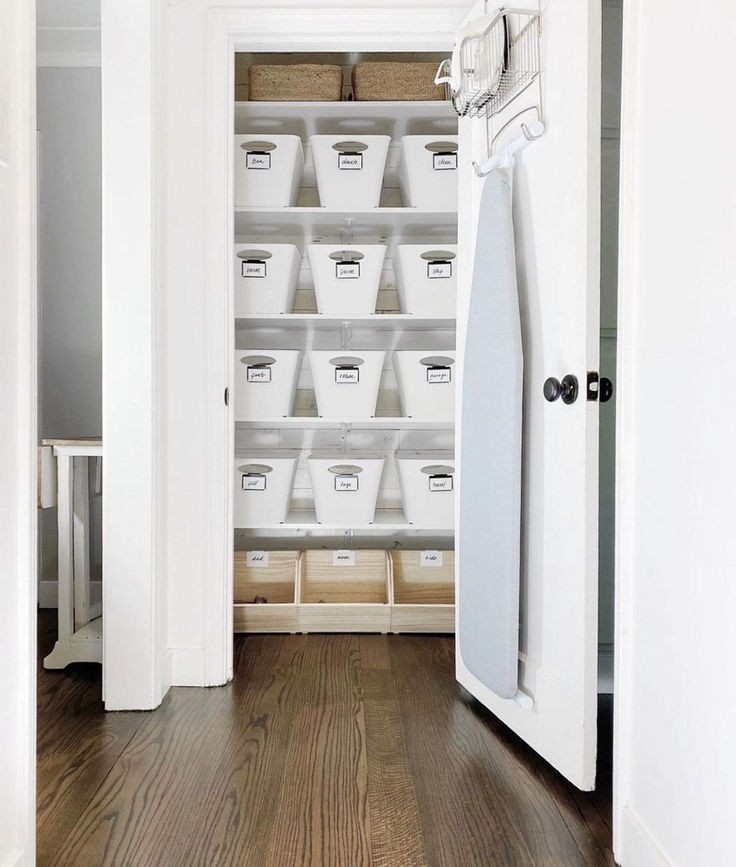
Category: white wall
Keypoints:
(676, 717)
(70, 277)
(17, 433)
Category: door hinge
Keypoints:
(591, 391)
(227, 397)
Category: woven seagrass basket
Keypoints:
(298, 83)
(390, 81)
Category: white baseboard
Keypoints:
(48, 593)
(636, 848)
(187, 666)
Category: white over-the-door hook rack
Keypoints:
(529, 133)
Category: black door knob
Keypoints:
(606, 389)
(567, 389)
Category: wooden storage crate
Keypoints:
(275, 582)
(343, 598)
(422, 597)
(391, 81)
(300, 82)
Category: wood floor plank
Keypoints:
(374, 652)
(321, 816)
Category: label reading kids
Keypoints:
(259, 374)
(257, 160)
(431, 559)
(438, 374)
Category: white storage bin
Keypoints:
(263, 485)
(345, 487)
(349, 171)
(268, 170)
(346, 383)
(426, 383)
(426, 278)
(427, 488)
(346, 279)
(428, 172)
(265, 383)
(265, 277)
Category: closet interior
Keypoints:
(344, 314)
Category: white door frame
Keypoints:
(18, 433)
(254, 26)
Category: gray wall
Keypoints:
(70, 332)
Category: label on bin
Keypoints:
(438, 270)
(259, 374)
(254, 482)
(346, 483)
(440, 484)
(444, 162)
(257, 160)
(347, 375)
(347, 270)
(349, 162)
(257, 559)
(253, 269)
(438, 375)
(343, 558)
(431, 559)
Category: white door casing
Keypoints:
(556, 215)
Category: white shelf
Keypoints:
(309, 322)
(396, 223)
(318, 423)
(366, 118)
(385, 519)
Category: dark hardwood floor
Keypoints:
(339, 750)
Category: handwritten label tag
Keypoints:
(440, 484)
(343, 484)
(257, 559)
(253, 269)
(257, 160)
(444, 162)
(259, 374)
(347, 270)
(439, 270)
(254, 483)
(431, 559)
(343, 558)
(438, 375)
(347, 375)
(350, 162)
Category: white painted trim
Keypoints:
(625, 508)
(16, 858)
(637, 849)
(188, 666)
(278, 25)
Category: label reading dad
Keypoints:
(438, 374)
(440, 484)
(259, 374)
(253, 269)
(350, 162)
(444, 162)
(343, 558)
(254, 483)
(439, 270)
(347, 375)
(257, 160)
(431, 558)
(257, 559)
(347, 270)
(346, 483)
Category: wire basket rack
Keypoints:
(491, 67)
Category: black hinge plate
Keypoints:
(591, 391)
(227, 397)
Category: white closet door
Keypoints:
(556, 193)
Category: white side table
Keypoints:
(80, 626)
